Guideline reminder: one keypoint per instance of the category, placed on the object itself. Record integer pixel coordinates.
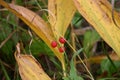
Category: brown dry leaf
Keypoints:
(61, 14)
(29, 67)
(99, 14)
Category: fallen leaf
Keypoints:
(29, 67)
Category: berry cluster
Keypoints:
(62, 41)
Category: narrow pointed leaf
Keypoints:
(63, 11)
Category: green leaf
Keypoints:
(39, 47)
(90, 37)
(66, 78)
(107, 66)
(73, 72)
(4, 71)
(77, 20)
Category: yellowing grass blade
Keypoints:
(61, 13)
(29, 68)
(37, 24)
(99, 58)
(99, 14)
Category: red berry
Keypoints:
(61, 49)
(53, 44)
(62, 40)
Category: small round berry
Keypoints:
(62, 40)
(61, 49)
(53, 44)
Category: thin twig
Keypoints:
(82, 31)
(11, 34)
(5, 64)
(4, 9)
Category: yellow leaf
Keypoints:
(99, 14)
(61, 14)
(29, 67)
(37, 24)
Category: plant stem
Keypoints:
(64, 68)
